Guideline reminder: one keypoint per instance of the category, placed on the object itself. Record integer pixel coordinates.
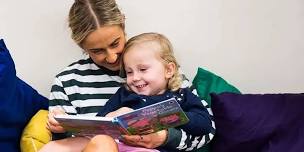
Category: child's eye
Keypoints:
(143, 69)
(129, 72)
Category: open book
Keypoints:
(146, 120)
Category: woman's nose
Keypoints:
(111, 57)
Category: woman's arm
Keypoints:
(52, 124)
(59, 101)
(59, 98)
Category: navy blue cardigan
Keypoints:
(199, 119)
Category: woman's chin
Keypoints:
(115, 67)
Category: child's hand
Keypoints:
(52, 124)
(119, 112)
(152, 140)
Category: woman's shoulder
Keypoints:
(83, 64)
(85, 70)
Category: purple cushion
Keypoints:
(258, 122)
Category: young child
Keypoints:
(152, 76)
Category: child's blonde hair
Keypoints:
(165, 53)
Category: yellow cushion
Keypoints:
(35, 134)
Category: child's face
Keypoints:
(146, 73)
(105, 46)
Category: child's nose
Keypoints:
(136, 76)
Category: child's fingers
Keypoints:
(124, 110)
(148, 141)
(120, 111)
(132, 138)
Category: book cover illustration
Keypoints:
(88, 126)
(153, 118)
(146, 120)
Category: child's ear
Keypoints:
(170, 70)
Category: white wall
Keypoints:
(257, 45)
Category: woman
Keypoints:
(82, 88)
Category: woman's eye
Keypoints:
(114, 45)
(97, 51)
(143, 69)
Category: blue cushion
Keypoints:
(18, 103)
(258, 122)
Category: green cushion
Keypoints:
(205, 148)
(206, 82)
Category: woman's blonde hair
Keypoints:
(166, 54)
(86, 16)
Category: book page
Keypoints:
(153, 118)
(88, 126)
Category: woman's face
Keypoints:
(105, 46)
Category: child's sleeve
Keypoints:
(112, 104)
(184, 138)
(199, 119)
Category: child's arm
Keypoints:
(118, 112)
(199, 118)
(180, 140)
(113, 104)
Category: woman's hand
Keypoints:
(148, 141)
(52, 124)
(119, 112)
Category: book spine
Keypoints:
(120, 126)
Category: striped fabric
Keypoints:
(83, 88)
(189, 142)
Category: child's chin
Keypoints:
(144, 93)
